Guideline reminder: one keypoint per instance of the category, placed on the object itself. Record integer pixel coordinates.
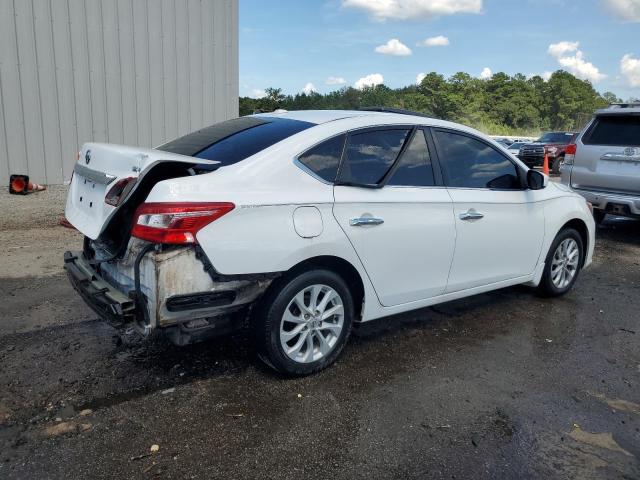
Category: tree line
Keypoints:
(500, 105)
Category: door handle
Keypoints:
(471, 215)
(363, 221)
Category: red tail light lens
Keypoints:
(570, 154)
(175, 223)
(119, 191)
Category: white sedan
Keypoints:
(301, 224)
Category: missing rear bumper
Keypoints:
(167, 290)
(108, 302)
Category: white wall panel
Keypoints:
(13, 118)
(138, 72)
(182, 46)
(128, 73)
(67, 119)
(28, 68)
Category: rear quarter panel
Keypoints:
(259, 235)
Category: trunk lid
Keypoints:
(98, 169)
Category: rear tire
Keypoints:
(563, 263)
(304, 322)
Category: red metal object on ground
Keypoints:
(63, 222)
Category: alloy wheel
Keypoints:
(312, 323)
(564, 264)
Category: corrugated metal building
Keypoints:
(137, 72)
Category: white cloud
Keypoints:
(413, 9)
(630, 69)
(439, 41)
(370, 80)
(309, 88)
(625, 10)
(572, 59)
(335, 81)
(257, 93)
(559, 49)
(486, 73)
(420, 77)
(394, 47)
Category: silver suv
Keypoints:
(603, 165)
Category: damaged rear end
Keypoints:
(141, 266)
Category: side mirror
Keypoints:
(536, 180)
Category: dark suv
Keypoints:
(554, 143)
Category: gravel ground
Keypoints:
(501, 385)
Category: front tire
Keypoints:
(304, 322)
(563, 263)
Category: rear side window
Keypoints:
(234, 140)
(414, 168)
(324, 159)
(617, 130)
(370, 154)
(471, 163)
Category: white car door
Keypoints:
(397, 215)
(499, 223)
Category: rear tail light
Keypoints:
(570, 154)
(119, 191)
(175, 223)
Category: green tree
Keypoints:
(439, 101)
(611, 97)
(501, 105)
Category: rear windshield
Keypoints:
(618, 130)
(556, 137)
(234, 140)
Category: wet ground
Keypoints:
(502, 385)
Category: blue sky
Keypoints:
(291, 43)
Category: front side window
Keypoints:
(324, 159)
(470, 163)
(370, 154)
(414, 168)
(615, 130)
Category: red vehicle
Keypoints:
(553, 143)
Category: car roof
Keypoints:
(377, 117)
(315, 116)
(618, 110)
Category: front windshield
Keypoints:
(556, 137)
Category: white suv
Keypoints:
(306, 222)
(603, 165)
